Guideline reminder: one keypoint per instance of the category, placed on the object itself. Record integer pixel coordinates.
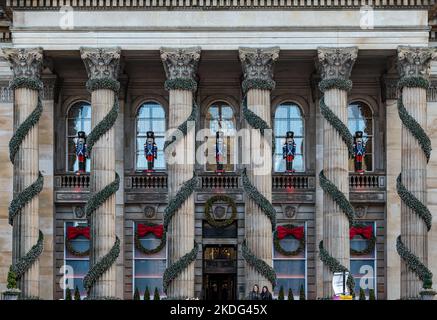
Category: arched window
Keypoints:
(78, 119)
(360, 119)
(150, 117)
(220, 116)
(288, 117)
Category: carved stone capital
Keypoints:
(336, 63)
(415, 61)
(101, 62)
(25, 62)
(180, 63)
(257, 64)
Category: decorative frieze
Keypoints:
(101, 62)
(6, 94)
(415, 61)
(336, 63)
(257, 64)
(25, 62)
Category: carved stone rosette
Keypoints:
(180, 65)
(415, 61)
(257, 64)
(336, 63)
(25, 62)
(101, 62)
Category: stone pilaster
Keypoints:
(414, 63)
(257, 65)
(26, 63)
(100, 64)
(335, 63)
(180, 67)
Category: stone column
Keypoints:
(257, 67)
(180, 67)
(102, 64)
(26, 64)
(414, 67)
(335, 63)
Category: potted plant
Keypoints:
(281, 293)
(12, 291)
(156, 294)
(290, 294)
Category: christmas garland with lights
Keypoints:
(96, 199)
(220, 224)
(180, 84)
(144, 250)
(335, 266)
(327, 186)
(410, 200)
(260, 265)
(176, 268)
(371, 242)
(281, 250)
(183, 193)
(263, 203)
(21, 199)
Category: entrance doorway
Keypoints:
(220, 272)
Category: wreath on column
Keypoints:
(145, 228)
(367, 233)
(296, 232)
(211, 220)
(73, 233)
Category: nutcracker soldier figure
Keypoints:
(81, 152)
(150, 151)
(359, 151)
(288, 151)
(220, 150)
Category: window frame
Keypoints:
(372, 136)
(136, 135)
(291, 258)
(134, 258)
(303, 137)
(67, 136)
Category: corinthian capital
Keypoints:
(257, 64)
(415, 61)
(180, 65)
(101, 62)
(25, 62)
(336, 63)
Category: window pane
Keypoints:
(281, 127)
(360, 119)
(151, 283)
(294, 284)
(80, 267)
(364, 274)
(158, 111)
(78, 119)
(158, 126)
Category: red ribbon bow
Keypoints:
(296, 232)
(143, 229)
(74, 232)
(366, 232)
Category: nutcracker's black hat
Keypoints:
(290, 134)
(358, 134)
(81, 134)
(150, 134)
(219, 134)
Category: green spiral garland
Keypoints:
(21, 199)
(173, 271)
(263, 203)
(98, 198)
(327, 186)
(411, 201)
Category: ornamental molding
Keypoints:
(415, 61)
(257, 63)
(180, 63)
(101, 62)
(6, 94)
(25, 62)
(390, 90)
(336, 63)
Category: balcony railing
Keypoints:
(157, 180)
(72, 181)
(219, 181)
(295, 181)
(366, 181)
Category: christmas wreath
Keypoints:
(73, 233)
(210, 218)
(146, 228)
(289, 230)
(367, 233)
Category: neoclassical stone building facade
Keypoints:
(252, 70)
